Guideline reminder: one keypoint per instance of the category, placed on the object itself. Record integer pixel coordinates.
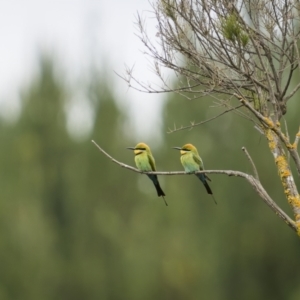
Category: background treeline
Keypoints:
(73, 225)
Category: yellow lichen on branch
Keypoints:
(280, 159)
(269, 135)
(295, 201)
(285, 174)
(283, 167)
(269, 122)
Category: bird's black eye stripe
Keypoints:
(184, 149)
(140, 148)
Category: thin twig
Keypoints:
(205, 121)
(252, 162)
(297, 139)
(256, 185)
(288, 138)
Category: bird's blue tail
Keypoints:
(202, 177)
(159, 190)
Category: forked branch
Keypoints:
(255, 183)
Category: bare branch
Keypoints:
(116, 161)
(256, 185)
(292, 93)
(215, 48)
(268, 123)
(297, 139)
(288, 137)
(245, 50)
(285, 173)
(252, 163)
(205, 121)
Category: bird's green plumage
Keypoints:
(192, 162)
(144, 161)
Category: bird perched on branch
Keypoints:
(145, 162)
(192, 162)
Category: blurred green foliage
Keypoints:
(74, 225)
(232, 30)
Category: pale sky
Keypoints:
(76, 32)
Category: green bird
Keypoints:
(145, 162)
(192, 162)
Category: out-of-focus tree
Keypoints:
(242, 54)
(33, 192)
(76, 226)
(227, 250)
(66, 213)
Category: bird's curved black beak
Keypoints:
(177, 148)
(130, 148)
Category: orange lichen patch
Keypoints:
(298, 227)
(278, 124)
(283, 167)
(287, 192)
(285, 173)
(270, 137)
(281, 162)
(269, 122)
(294, 201)
(291, 146)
